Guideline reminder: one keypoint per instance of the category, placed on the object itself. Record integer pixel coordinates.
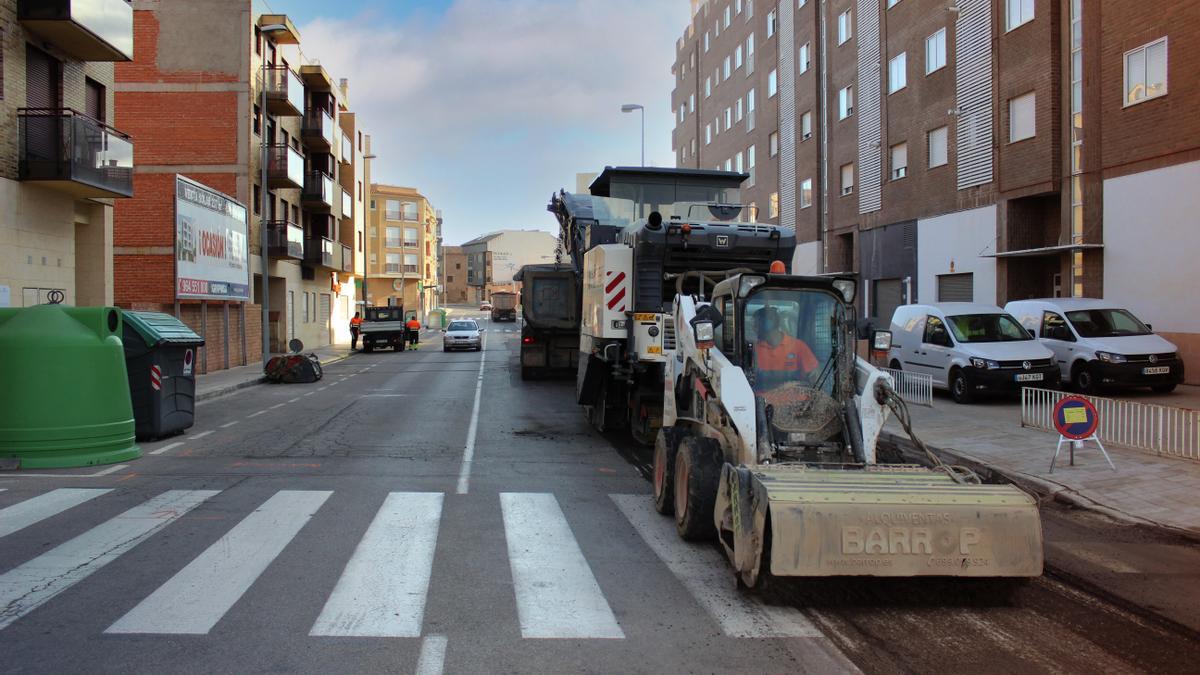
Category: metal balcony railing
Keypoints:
(89, 30)
(319, 251)
(391, 243)
(285, 240)
(391, 268)
(75, 152)
(285, 91)
(317, 130)
(285, 167)
(318, 191)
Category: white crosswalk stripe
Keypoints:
(706, 575)
(381, 593)
(557, 596)
(20, 516)
(195, 599)
(29, 586)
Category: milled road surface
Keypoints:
(335, 527)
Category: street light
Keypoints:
(630, 107)
(263, 204)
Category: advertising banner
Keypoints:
(211, 258)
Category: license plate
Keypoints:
(1156, 370)
(1029, 377)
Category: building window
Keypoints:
(257, 120)
(772, 84)
(749, 49)
(410, 236)
(257, 200)
(409, 211)
(935, 51)
(705, 42)
(691, 103)
(846, 102)
(806, 193)
(728, 15)
(707, 87)
(899, 155)
(728, 68)
(750, 157)
(938, 150)
(707, 134)
(898, 72)
(773, 143)
(806, 125)
(728, 118)
(1022, 117)
(773, 205)
(847, 178)
(770, 24)
(845, 26)
(737, 110)
(729, 165)
(750, 111)
(391, 210)
(392, 237)
(892, 3)
(410, 262)
(737, 57)
(737, 162)
(803, 59)
(1020, 12)
(1146, 72)
(392, 264)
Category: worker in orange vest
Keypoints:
(355, 328)
(414, 331)
(779, 357)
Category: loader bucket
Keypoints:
(895, 521)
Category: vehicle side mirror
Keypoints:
(704, 326)
(1149, 327)
(881, 340)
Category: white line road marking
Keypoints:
(322, 388)
(310, 393)
(31, 585)
(464, 472)
(557, 596)
(165, 448)
(293, 400)
(433, 656)
(277, 405)
(195, 599)
(260, 412)
(19, 516)
(706, 575)
(382, 590)
(202, 434)
(228, 424)
(386, 395)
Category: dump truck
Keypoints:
(550, 309)
(504, 306)
(382, 327)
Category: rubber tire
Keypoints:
(1163, 388)
(666, 446)
(959, 390)
(697, 477)
(1083, 379)
(894, 365)
(368, 348)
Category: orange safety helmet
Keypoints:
(777, 267)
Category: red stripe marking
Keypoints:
(615, 282)
(616, 298)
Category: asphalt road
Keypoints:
(429, 512)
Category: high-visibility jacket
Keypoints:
(790, 355)
(356, 322)
(413, 324)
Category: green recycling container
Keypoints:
(64, 393)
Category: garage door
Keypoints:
(956, 287)
(323, 316)
(888, 295)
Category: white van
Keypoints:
(1099, 345)
(969, 349)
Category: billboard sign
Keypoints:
(211, 258)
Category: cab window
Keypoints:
(935, 333)
(727, 333)
(1055, 327)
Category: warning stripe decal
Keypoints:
(612, 302)
(155, 378)
(615, 282)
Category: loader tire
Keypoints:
(697, 475)
(666, 446)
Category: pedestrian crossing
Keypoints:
(384, 586)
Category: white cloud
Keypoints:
(494, 105)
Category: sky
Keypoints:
(490, 106)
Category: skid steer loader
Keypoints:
(769, 439)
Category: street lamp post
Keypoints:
(263, 203)
(630, 107)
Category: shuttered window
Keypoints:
(956, 287)
(888, 295)
(94, 100)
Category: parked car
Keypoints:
(969, 349)
(485, 306)
(1097, 344)
(462, 334)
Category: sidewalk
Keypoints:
(222, 382)
(1145, 488)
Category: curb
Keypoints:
(1040, 487)
(215, 393)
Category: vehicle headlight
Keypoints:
(986, 364)
(1109, 357)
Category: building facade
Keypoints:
(454, 276)
(403, 237)
(63, 163)
(985, 150)
(194, 93)
(494, 258)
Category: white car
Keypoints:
(969, 349)
(1098, 344)
(462, 334)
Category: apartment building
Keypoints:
(214, 86)
(983, 150)
(453, 265)
(62, 165)
(494, 258)
(404, 234)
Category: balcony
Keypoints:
(285, 240)
(316, 77)
(347, 258)
(285, 167)
(282, 31)
(318, 251)
(347, 204)
(317, 131)
(285, 92)
(74, 153)
(318, 192)
(89, 30)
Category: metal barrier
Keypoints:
(1165, 430)
(915, 388)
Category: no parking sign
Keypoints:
(1076, 420)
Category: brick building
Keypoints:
(984, 150)
(454, 275)
(62, 166)
(403, 238)
(192, 96)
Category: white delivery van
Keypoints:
(969, 349)
(1099, 345)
